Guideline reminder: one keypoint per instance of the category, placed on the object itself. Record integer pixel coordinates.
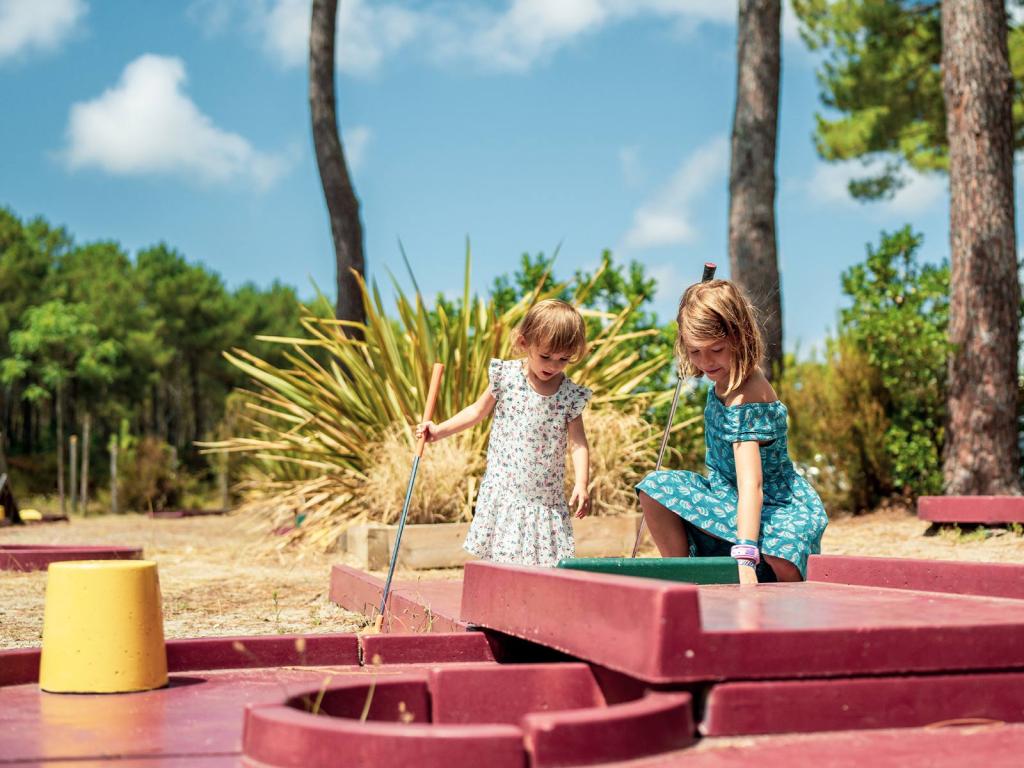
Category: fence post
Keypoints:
(113, 474)
(85, 463)
(73, 455)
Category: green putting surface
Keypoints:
(693, 570)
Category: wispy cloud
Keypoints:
(666, 218)
(356, 141)
(632, 168)
(829, 185)
(27, 25)
(515, 38)
(146, 124)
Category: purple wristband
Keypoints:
(745, 552)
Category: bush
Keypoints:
(147, 476)
(868, 420)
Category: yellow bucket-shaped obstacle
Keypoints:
(103, 628)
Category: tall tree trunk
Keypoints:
(27, 444)
(342, 205)
(753, 260)
(981, 453)
(197, 401)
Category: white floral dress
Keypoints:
(521, 513)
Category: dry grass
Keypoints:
(218, 577)
(446, 481)
(896, 532)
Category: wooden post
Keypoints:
(113, 474)
(85, 463)
(3, 456)
(73, 459)
(60, 451)
(224, 481)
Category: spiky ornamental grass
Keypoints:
(329, 437)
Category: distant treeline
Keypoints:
(88, 329)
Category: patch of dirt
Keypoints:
(217, 577)
(220, 576)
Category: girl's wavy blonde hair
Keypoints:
(553, 325)
(718, 309)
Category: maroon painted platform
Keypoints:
(663, 632)
(804, 706)
(443, 712)
(983, 510)
(413, 606)
(37, 557)
(948, 577)
(998, 746)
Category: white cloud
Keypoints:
(632, 169)
(668, 283)
(37, 24)
(366, 31)
(829, 184)
(146, 124)
(516, 38)
(356, 141)
(666, 218)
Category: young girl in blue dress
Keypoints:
(521, 515)
(752, 504)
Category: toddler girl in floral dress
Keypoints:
(521, 514)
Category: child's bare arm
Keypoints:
(464, 419)
(751, 496)
(579, 450)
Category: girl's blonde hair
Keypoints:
(718, 309)
(553, 325)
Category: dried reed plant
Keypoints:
(316, 431)
(624, 448)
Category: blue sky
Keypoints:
(520, 124)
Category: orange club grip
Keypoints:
(428, 409)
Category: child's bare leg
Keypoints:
(784, 570)
(666, 527)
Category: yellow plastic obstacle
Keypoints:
(103, 628)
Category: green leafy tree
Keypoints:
(100, 278)
(193, 319)
(898, 319)
(258, 312)
(56, 348)
(881, 83)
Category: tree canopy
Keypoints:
(880, 81)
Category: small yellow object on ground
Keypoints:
(103, 628)
(31, 515)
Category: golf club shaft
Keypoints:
(428, 412)
(708, 274)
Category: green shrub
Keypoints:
(869, 417)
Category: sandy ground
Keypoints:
(220, 576)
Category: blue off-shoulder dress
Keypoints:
(792, 516)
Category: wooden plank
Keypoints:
(439, 545)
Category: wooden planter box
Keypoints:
(439, 545)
